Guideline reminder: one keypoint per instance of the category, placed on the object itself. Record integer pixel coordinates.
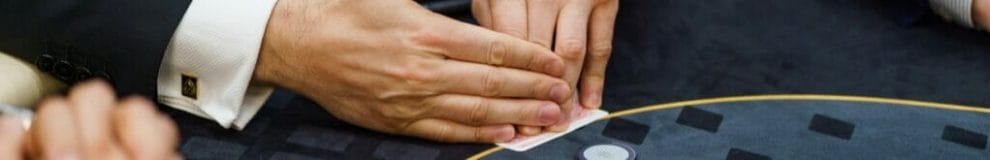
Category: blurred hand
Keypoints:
(90, 124)
(395, 67)
(981, 13)
(581, 27)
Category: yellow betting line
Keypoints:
(775, 97)
(485, 153)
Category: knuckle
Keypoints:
(496, 52)
(601, 50)
(385, 94)
(398, 128)
(571, 50)
(492, 82)
(390, 114)
(427, 38)
(443, 134)
(417, 73)
(419, 77)
(402, 113)
(479, 136)
(479, 111)
(434, 103)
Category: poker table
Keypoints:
(781, 127)
(713, 79)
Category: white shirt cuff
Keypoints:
(958, 11)
(217, 43)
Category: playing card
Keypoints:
(582, 118)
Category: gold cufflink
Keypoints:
(189, 86)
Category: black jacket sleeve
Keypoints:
(119, 40)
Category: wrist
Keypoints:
(263, 70)
(268, 57)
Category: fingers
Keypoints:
(509, 17)
(11, 137)
(475, 110)
(570, 45)
(482, 12)
(542, 15)
(92, 103)
(89, 125)
(485, 80)
(53, 132)
(143, 132)
(447, 131)
(475, 44)
(592, 80)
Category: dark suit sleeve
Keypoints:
(119, 40)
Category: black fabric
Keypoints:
(457, 9)
(120, 40)
(448, 7)
(669, 50)
(832, 127)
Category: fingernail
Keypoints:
(559, 92)
(549, 114)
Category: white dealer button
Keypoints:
(607, 152)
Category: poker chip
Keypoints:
(609, 151)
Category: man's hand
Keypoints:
(91, 124)
(573, 28)
(396, 67)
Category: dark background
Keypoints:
(673, 50)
